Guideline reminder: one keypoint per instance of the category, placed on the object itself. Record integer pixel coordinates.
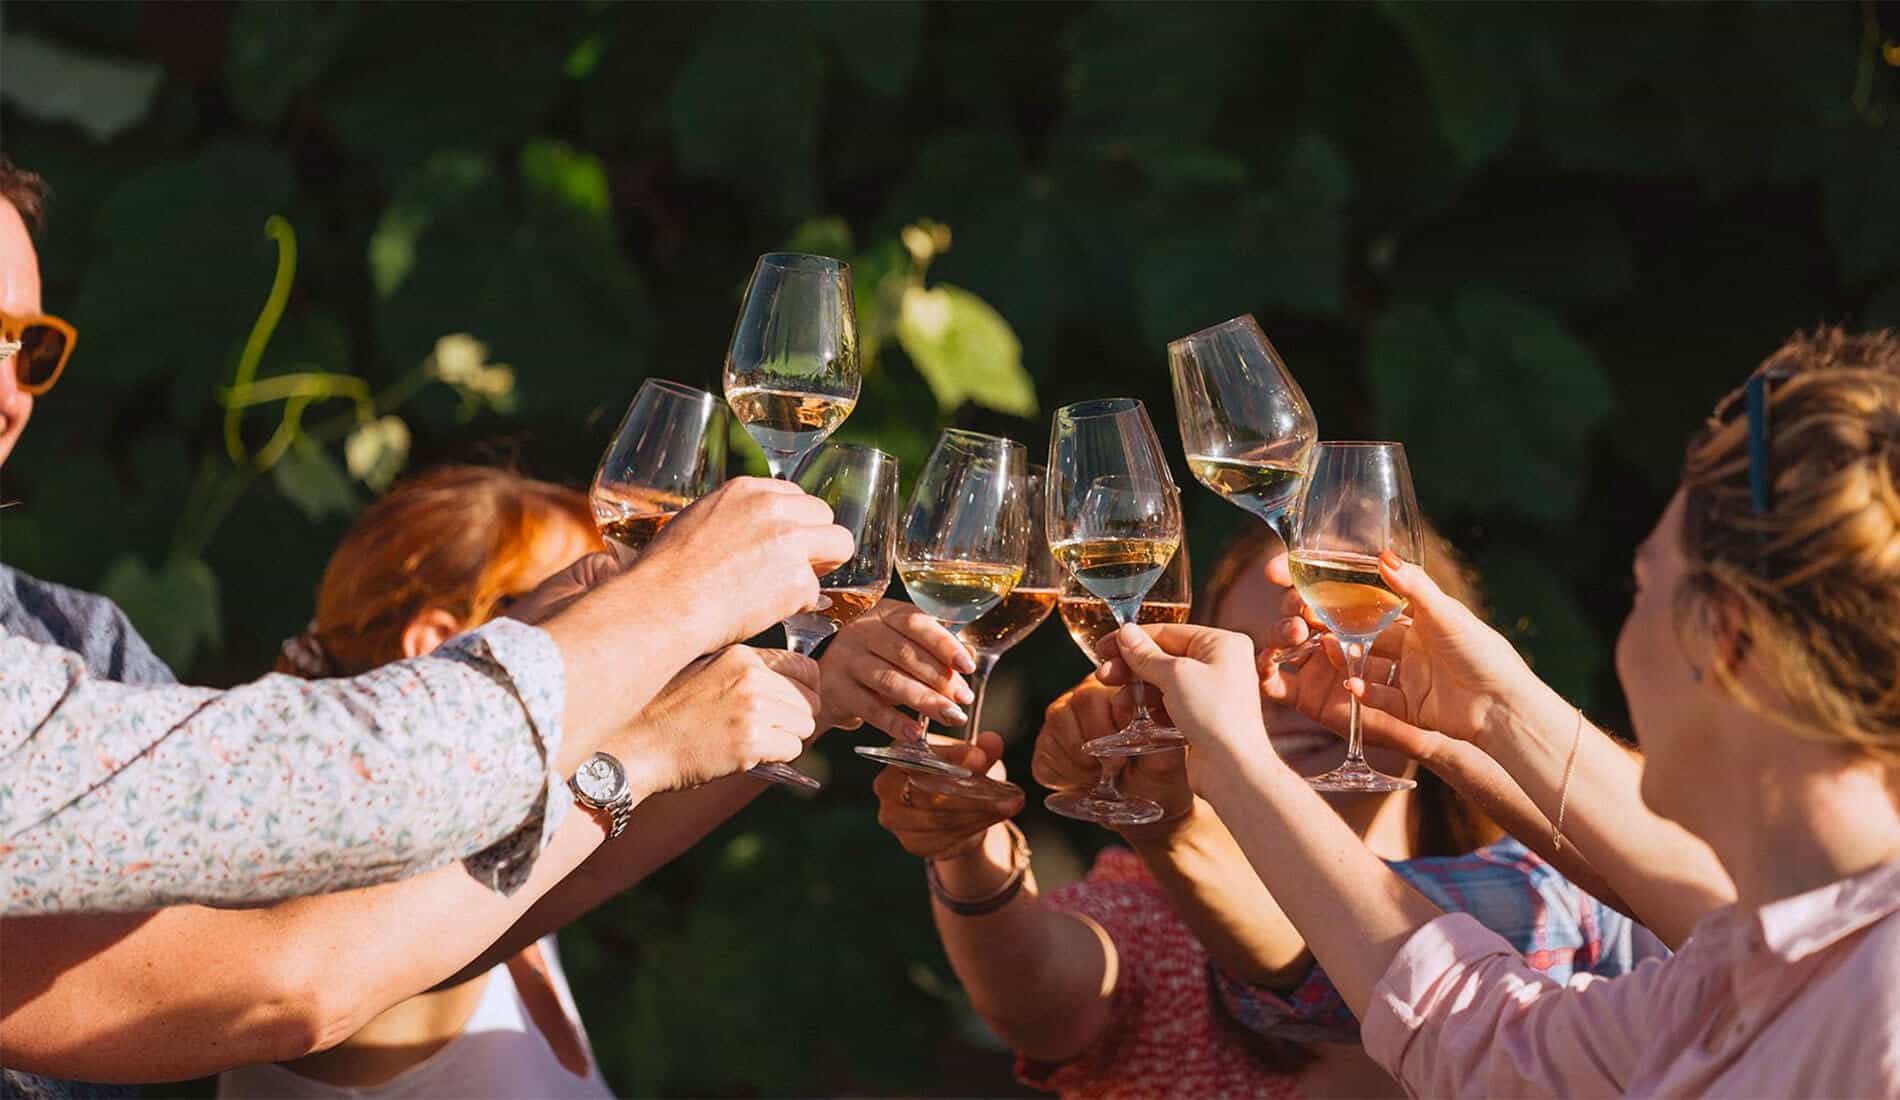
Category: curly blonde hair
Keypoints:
(1811, 585)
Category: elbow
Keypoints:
(307, 1008)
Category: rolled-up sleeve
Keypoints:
(118, 797)
(1458, 1012)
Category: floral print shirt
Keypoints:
(119, 797)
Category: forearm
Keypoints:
(1353, 911)
(1670, 878)
(1043, 979)
(1216, 892)
(658, 831)
(1485, 784)
(190, 991)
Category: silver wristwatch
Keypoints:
(601, 784)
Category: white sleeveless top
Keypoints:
(499, 1054)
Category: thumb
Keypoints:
(1427, 600)
(991, 743)
(1144, 658)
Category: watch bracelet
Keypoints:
(1003, 895)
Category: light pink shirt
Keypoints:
(1801, 998)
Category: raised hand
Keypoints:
(1209, 681)
(894, 655)
(1092, 709)
(743, 557)
(721, 715)
(938, 826)
(1454, 673)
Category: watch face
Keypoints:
(600, 779)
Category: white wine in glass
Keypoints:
(1247, 428)
(1358, 503)
(792, 364)
(962, 548)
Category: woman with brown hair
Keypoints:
(1104, 987)
(1762, 662)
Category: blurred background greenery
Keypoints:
(1535, 242)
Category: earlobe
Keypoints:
(428, 630)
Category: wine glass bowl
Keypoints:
(791, 372)
(961, 549)
(859, 483)
(669, 451)
(1246, 426)
(1357, 504)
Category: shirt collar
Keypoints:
(1795, 927)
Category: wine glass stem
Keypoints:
(1105, 788)
(979, 686)
(1356, 650)
(803, 642)
(1123, 618)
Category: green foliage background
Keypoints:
(1535, 242)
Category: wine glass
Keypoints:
(1245, 425)
(1089, 620)
(669, 451)
(1114, 523)
(1358, 502)
(860, 485)
(997, 631)
(792, 366)
(962, 548)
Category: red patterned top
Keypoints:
(1166, 1036)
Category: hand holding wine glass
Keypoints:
(962, 548)
(1114, 523)
(1358, 506)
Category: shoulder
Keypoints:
(87, 623)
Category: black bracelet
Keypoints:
(1006, 893)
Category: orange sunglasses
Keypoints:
(45, 345)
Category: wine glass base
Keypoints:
(1357, 777)
(912, 758)
(976, 788)
(1138, 738)
(1086, 805)
(785, 775)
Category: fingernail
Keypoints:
(965, 662)
(955, 714)
(1390, 560)
(961, 692)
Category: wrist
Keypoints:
(980, 869)
(1168, 833)
(1519, 730)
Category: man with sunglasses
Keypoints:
(118, 799)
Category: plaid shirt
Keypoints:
(1559, 929)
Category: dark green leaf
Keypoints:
(878, 41)
(279, 49)
(744, 108)
(175, 607)
(313, 481)
(1474, 90)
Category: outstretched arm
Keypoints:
(1042, 978)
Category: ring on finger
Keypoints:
(905, 797)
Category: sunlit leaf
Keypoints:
(438, 187)
(57, 83)
(965, 350)
(567, 176)
(175, 607)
